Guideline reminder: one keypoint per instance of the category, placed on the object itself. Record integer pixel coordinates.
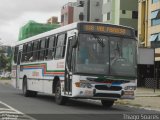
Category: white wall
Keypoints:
(96, 11)
(77, 11)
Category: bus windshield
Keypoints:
(99, 54)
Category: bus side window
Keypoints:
(22, 60)
(29, 52)
(42, 49)
(46, 48)
(60, 48)
(24, 53)
(15, 54)
(51, 48)
(35, 50)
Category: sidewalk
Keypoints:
(5, 82)
(147, 92)
(145, 98)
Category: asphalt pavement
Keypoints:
(43, 107)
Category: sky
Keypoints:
(16, 13)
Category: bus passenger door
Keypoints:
(18, 84)
(69, 66)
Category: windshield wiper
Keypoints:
(99, 40)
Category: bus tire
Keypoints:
(33, 93)
(107, 103)
(60, 100)
(26, 92)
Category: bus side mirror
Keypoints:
(74, 41)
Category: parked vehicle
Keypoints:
(5, 74)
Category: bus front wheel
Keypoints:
(107, 103)
(59, 99)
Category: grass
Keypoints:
(127, 103)
(3, 78)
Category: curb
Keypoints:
(146, 108)
(131, 106)
(147, 96)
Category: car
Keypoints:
(5, 74)
(1, 74)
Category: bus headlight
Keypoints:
(83, 85)
(130, 88)
(89, 85)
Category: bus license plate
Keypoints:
(88, 92)
(129, 93)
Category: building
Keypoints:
(84, 10)
(67, 13)
(121, 12)
(93, 10)
(149, 36)
(53, 20)
(70, 13)
(149, 25)
(78, 10)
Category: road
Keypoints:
(43, 106)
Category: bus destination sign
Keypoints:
(110, 29)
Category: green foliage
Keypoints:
(33, 28)
(4, 78)
(5, 62)
(8, 65)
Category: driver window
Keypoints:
(115, 49)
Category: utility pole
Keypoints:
(88, 10)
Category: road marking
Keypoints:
(9, 113)
(11, 108)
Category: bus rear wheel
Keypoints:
(107, 103)
(59, 99)
(26, 92)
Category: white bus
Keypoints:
(82, 60)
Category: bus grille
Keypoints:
(104, 87)
(107, 95)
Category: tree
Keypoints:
(3, 60)
(9, 63)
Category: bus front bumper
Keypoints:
(102, 94)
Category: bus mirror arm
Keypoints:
(74, 42)
(68, 71)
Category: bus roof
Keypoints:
(62, 29)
